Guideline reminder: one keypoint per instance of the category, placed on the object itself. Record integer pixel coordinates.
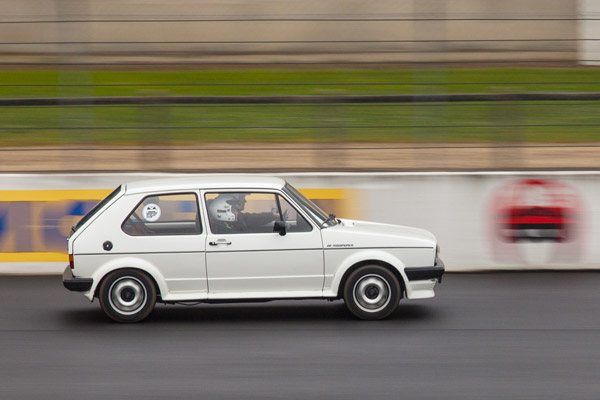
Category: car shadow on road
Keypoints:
(267, 313)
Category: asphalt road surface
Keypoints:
(485, 336)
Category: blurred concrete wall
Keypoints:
(483, 220)
(287, 31)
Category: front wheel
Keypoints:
(372, 292)
(127, 295)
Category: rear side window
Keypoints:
(165, 214)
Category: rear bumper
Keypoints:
(424, 273)
(76, 284)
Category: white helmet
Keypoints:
(221, 208)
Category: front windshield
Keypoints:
(311, 208)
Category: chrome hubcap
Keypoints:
(127, 295)
(372, 293)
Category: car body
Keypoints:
(176, 240)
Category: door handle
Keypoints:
(218, 242)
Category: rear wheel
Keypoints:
(127, 295)
(372, 292)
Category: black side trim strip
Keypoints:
(209, 251)
(237, 251)
(377, 248)
(141, 252)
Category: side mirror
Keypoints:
(279, 227)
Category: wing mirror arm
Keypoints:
(279, 227)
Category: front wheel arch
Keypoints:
(391, 268)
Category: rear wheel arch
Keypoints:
(149, 274)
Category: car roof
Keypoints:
(202, 182)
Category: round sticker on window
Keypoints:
(151, 212)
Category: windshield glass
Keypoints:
(95, 209)
(311, 208)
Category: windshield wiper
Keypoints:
(330, 218)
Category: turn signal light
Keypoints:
(71, 264)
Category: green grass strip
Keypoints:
(565, 122)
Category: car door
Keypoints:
(246, 258)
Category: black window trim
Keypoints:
(198, 211)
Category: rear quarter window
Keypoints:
(164, 214)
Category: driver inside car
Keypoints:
(227, 216)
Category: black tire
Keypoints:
(127, 295)
(372, 292)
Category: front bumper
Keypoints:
(424, 273)
(76, 284)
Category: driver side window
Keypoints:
(241, 212)
(251, 212)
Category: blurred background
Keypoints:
(485, 112)
(302, 85)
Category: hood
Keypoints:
(351, 233)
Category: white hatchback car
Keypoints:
(239, 238)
